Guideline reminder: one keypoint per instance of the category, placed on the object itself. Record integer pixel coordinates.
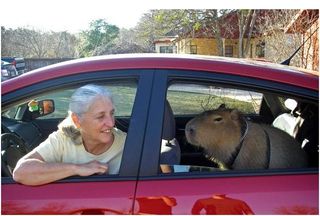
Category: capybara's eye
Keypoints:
(218, 119)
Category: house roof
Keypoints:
(168, 39)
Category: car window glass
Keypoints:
(291, 121)
(203, 97)
(123, 96)
(38, 127)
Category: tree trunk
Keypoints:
(252, 23)
(246, 23)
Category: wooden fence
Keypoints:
(35, 63)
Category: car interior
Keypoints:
(307, 123)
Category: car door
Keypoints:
(98, 194)
(205, 189)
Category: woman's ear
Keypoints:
(75, 120)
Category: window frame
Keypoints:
(228, 50)
(261, 49)
(166, 49)
(130, 162)
(193, 49)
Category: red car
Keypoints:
(145, 87)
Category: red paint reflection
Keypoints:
(298, 210)
(220, 204)
(156, 205)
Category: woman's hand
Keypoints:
(92, 167)
(33, 170)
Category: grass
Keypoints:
(182, 102)
(190, 103)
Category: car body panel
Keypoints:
(267, 194)
(221, 65)
(78, 198)
(87, 196)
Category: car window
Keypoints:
(123, 96)
(200, 146)
(197, 98)
(21, 119)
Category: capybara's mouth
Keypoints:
(190, 132)
(191, 138)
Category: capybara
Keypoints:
(235, 143)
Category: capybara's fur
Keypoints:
(220, 132)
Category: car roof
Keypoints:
(232, 66)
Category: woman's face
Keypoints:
(97, 123)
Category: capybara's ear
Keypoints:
(235, 114)
(222, 106)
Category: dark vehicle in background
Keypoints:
(8, 71)
(18, 62)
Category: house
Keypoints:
(206, 41)
(274, 44)
(165, 44)
(306, 22)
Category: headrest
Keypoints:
(169, 124)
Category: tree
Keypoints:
(100, 34)
(246, 22)
(26, 42)
(279, 45)
(185, 23)
(64, 44)
(126, 42)
(31, 43)
(148, 29)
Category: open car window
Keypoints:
(269, 118)
(33, 128)
(123, 96)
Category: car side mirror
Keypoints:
(41, 108)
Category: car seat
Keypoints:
(289, 122)
(170, 149)
(302, 124)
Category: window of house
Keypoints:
(260, 49)
(166, 49)
(228, 51)
(193, 49)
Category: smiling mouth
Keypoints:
(107, 131)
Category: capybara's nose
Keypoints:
(190, 129)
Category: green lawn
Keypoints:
(190, 102)
(182, 102)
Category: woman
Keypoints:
(85, 143)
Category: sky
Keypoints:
(75, 15)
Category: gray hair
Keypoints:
(80, 102)
(84, 97)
